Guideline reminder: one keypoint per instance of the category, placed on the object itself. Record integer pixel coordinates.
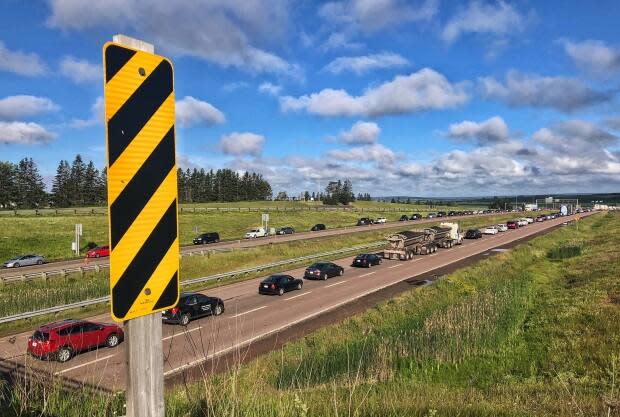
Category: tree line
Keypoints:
(200, 186)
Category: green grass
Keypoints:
(51, 236)
(518, 334)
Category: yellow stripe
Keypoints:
(126, 250)
(134, 156)
(127, 80)
(158, 281)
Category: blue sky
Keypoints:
(428, 97)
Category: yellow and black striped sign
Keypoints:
(142, 182)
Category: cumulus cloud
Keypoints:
(372, 15)
(361, 133)
(242, 143)
(593, 56)
(493, 130)
(80, 70)
(574, 137)
(269, 88)
(16, 107)
(613, 122)
(496, 19)
(24, 133)
(22, 63)
(366, 63)
(235, 35)
(562, 93)
(419, 91)
(191, 111)
(371, 153)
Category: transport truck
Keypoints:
(407, 243)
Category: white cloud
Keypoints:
(230, 87)
(242, 143)
(365, 63)
(562, 93)
(371, 153)
(574, 137)
(22, 63)
(594, 56)
(372, 15)
(191, 111)
(97, 111)
(613, 122)
(80, 70)
(419, 91)
(493, 130)
(269, 88)
(497, 19)
(361, 133)
(23, 133)
(235, 36)
(16, 107)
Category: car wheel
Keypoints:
(185, 319)
(300, 285)
(39, 262)
(97, 255)
(16, 265)
(112, 340)
(64, 354)
(218, 310)
(281, 291)
(341, 273)
(324, 278)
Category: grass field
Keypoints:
(33, 295)
(51, 235)
(531, 332)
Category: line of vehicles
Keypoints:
(64, 339)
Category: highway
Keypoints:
(235, 244)
(250, 317)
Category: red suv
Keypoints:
(512, 224)
(98, 252)
(63, 339)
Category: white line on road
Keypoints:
(336, 283)
(370, 273)
(84, 364)
(182, 333)
(248, 312)
(395, 266)
(299, 295)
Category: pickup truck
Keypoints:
(256, 232)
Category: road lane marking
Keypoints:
(336, 283)
(248, 312)
(84, 364)
(370, 273)
(395, 266)
(182, 333)
(299, 295)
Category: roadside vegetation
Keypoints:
(51, 235)
(531, 332)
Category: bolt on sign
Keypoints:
(142, 182)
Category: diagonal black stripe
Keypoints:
(138, 109)
(115, 58)
(140, 189)
(139, 271)
(169, 296)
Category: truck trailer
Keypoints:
(407, 243)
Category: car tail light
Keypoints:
(273, 286)
(175, 310)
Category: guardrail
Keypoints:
(216, 277)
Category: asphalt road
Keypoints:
(250, 318)
(235, 244)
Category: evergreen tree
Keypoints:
(8, 188)
(60, 186)
(76, 181)
(29, 183)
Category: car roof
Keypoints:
(57, 325)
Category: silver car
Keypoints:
(24, 261)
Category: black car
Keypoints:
(279, 284)
(366, 260)
(441, 214)
(318, 227)
(403, 218)
(286, 231)
(451, 213)
(191, 306)
(415, 216)
(364, 221)
(473, 234)
(211, 237)
(323, 270)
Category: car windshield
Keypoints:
(271, 279)
(41, 336)
(254, 231)
(317, 266)
(364, 256)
